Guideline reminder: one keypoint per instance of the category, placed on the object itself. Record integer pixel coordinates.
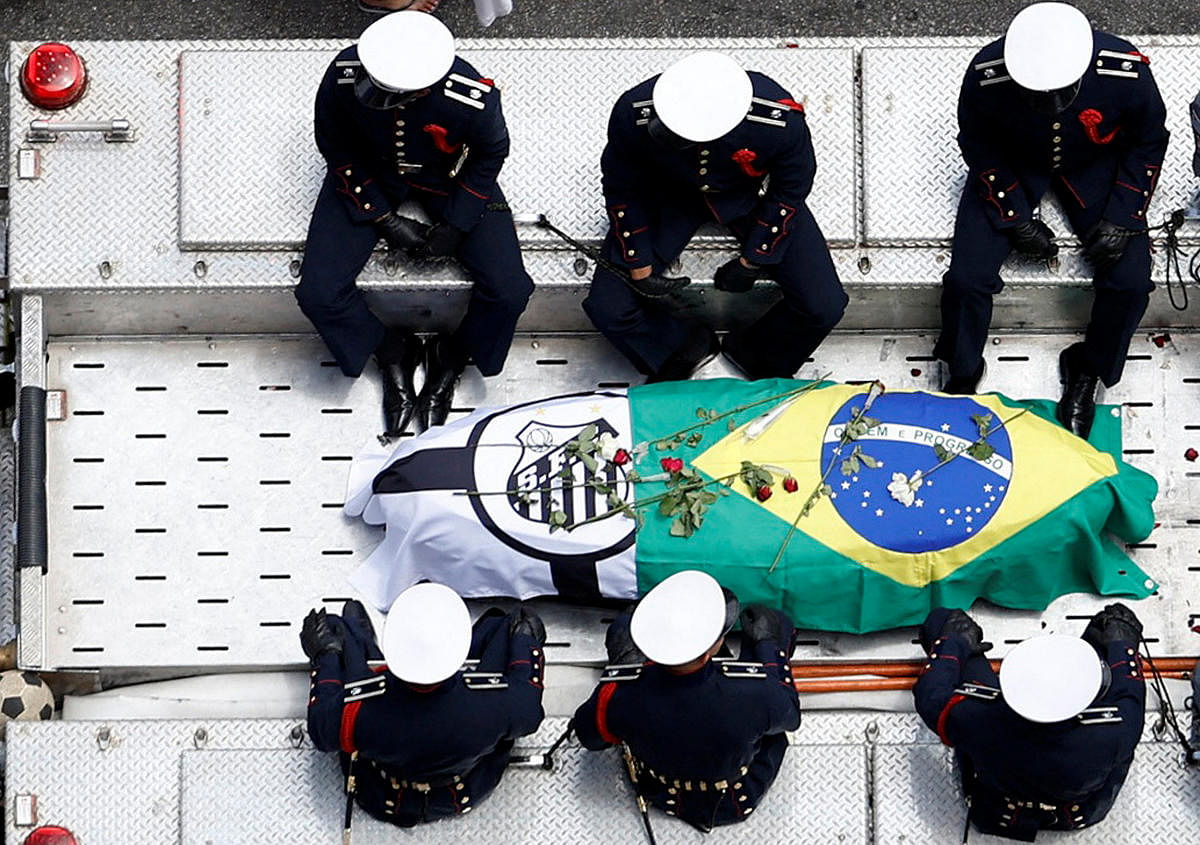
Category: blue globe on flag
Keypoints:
(940, 508)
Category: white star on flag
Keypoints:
(919, 503)
(879, 511)
(987, 488)
(845, 485)
(945, 426)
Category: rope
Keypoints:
(1171, 227)
(1166, 709)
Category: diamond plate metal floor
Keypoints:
(194, 488)
(848, 778)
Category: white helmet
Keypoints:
(1048, 46)
(1050, 678)
(702, 96)
(680, 619)
(427, 634)
(406, 51)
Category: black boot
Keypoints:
(1077, 408)
(397, 357)
(700, 347)
(445, 361)
(965, 385)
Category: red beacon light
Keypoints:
(51, 834)
(53, 76)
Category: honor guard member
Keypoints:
(428, 733)
(399, 117)
(1047, 745)
(702, 739)
(1195, 113)
(706, 141)
(1054, 106)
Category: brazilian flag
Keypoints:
(942, 500)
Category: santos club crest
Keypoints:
(522, 462)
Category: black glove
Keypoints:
(402, 233)
(522, 620)
(1105, 244)
(1033, 239)
(657, 285)
(1115, 624)
(942, 622)
(443, 242)
(319, 635)
(619, 645)
(735, 277)
(358, 621)
(761, 624)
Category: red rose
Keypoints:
(672, 464)
(621, 457)
(791, 484)
(763, 493)
(1191, 454)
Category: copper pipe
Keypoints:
(903, 669)
(824, 685)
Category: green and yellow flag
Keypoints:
(925, 500)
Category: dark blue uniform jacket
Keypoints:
(1108, 143)
(456, 736)
(727, 174)
(724, 725)
(381, 155)
(1074, 769)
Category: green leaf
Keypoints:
(567, 473)
(723, 491)
(701, 413)
(694, 438)
(662, 446)
(678, 529)
(589, 462)
(615, 502)
(980, 451)
(558, 519)
(588, 434)
(984, 421)
(731, 425)
(941, 452)
(709, 497)
(633, 475)
(668, 505)
(826, 489)
(850, 465)
(868, 460)
(869, 422)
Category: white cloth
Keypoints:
(495, 545)
(488, 10)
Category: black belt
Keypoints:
(691, 784)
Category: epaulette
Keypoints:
(771, 112)
(621, 672)
(1100, 715)
(484, 680)
(1127, 65)
(366, 688)
(992, 72)
(346, 68)
(466, 90)
(971, 689)
(643, 110)
(741, 669)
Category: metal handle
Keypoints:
(47, 131)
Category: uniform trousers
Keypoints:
(1122, 292)
(338, 248)
(647, 331)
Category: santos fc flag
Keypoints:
(849, 508)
